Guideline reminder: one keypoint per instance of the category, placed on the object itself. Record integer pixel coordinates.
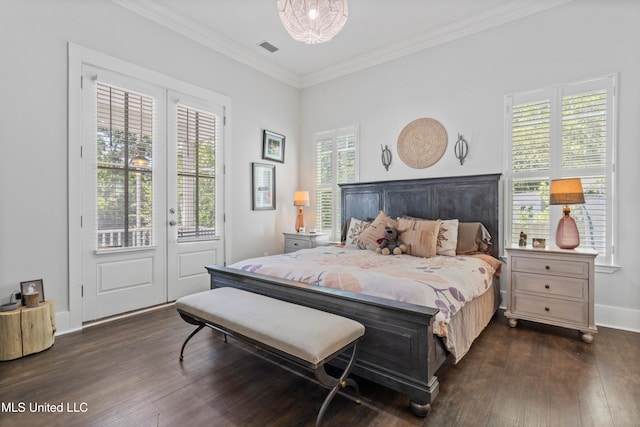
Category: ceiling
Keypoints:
(376, 31)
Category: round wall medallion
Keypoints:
(422, 143)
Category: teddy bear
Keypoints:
(389, 244)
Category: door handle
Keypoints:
(172, 222)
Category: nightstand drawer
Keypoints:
(550, 266)
(551, 285)
(573, 312)
(296, 244)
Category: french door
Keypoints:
(195, 218)
(152, 193)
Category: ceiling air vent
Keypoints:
(268, 46)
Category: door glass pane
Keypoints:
(196, 174)
(125, 168)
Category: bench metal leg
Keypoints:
(198, 329)
(335, 383)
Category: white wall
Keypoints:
(462, 84)
(33, 130)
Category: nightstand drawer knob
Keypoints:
(547, 267)
(547, 309)
(547, 286)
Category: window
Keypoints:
(336, 163)
(562, 132)
(196, 173)
(125, 165)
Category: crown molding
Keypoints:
(208, 38)
(454, 31)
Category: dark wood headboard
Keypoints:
(474, 198)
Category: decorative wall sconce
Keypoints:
(461, 149)
(386, 156)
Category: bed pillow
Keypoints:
(369, 237)
(473, 237)
(448, 237)
(354, 229)
(420, 236)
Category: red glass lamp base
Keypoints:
(567, 236)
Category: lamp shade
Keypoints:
(301, 198)
(313, 21)
(566, 192)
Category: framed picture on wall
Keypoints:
(272, 146)
(263, 191)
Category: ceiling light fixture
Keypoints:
(313, 21)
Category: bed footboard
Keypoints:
(398, 349)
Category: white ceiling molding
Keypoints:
(211, 39)
(219, 43)
(457, 30)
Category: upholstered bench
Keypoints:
(303, 335)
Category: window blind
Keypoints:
(336, 163)
(124, 153)
(196, 132)
(565, 133)
(584, 129)
(530, 210)
(531, 136)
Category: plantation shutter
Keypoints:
(584, 149)
(324, 181)
(531, 137)
(531, 142)
(562, 132)
(336, 154)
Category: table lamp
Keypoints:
(566, 192)
(300, 199)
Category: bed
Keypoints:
(403, 345)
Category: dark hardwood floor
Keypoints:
(127, 373)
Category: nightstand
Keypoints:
(553, 286)
(27, 330)
(296, 241)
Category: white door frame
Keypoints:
(78, 56)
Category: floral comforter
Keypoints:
(443, 282)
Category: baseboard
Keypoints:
(606, 316)
(617, 318)
(63, 325)
(625, 319)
